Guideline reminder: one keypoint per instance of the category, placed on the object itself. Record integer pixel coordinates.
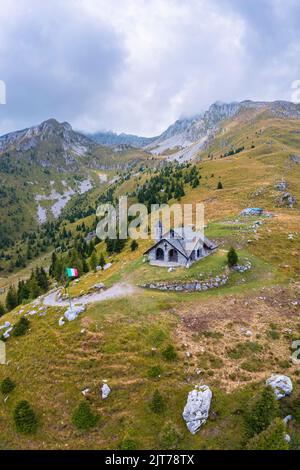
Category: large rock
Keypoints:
(7, 333)
(6, 325)
(197, 407)
(72, 312)
(105, 390)
(281, 384)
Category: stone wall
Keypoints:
(191, 286)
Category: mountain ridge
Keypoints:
(195, 131)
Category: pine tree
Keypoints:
(34, 288)
(11, 301)
(262, 413)
(134, 245)
(170, 436)
(273, 438)
(21, 327)
(6, 386)
(102, 261)
(2, 309)
(25, 418)
(157, 403)
(42, 279)
(232, 257)
(83, 417)
(85, 266)
(93, 262)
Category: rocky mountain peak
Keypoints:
(50, 131)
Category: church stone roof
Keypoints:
(184, 240)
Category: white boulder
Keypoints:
(7, 333)
(107, 266)
(281, 384)
(197, 407)
(32, 312)
(105, 390)
(61, 321)
(287, 419)
(99, 286)
(72, 312)
(6, 325)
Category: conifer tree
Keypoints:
(273, 438)
(2, 309)
(102, 261)
(93, 262)
(11, 299)
(262, 413)
(232, 257)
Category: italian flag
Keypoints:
(72, 272)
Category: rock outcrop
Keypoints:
(281, 384)
(72, 312)
(105, 390)
(197, 407)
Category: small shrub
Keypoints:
(157, 337)
(170, 436)
(157, 403)
(2, 309)
(83, 417)
(25, 418)
(154, 372)
(244, 349)
(21, 327)
(208, 360)
(134, 245)
(129, 444)
(213, 334)
(232, 257)
(220, 185)
(284, 364)
(7, 386)
(273, 334)
(169, 353)
(253, 365)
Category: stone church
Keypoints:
(178, 247)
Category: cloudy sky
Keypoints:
(138, 65)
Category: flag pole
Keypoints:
(68, 291)
(71, 273)
(69, 295)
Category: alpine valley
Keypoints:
(148, 356)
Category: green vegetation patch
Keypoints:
(242, 350)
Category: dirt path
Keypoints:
(118, 290)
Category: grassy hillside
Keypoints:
(231, 338)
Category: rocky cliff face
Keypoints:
(51, 133)
(187, 136)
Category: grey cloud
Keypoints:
(136, 66)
